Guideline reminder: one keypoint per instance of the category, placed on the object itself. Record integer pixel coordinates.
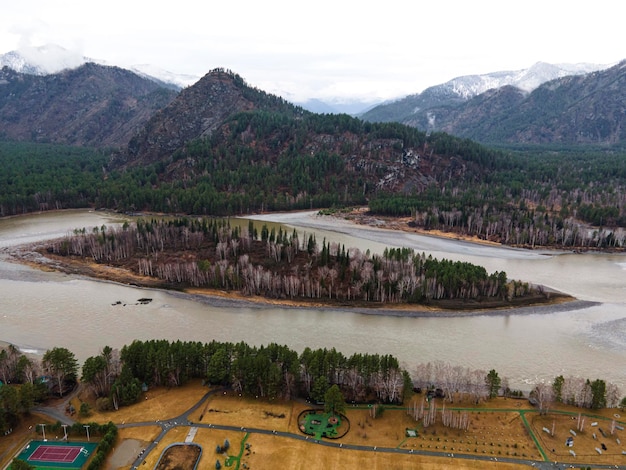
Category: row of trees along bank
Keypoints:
(273, 371)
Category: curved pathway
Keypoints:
(57, 412)
(166, 425)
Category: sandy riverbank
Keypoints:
(360, 216)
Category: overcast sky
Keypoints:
(327, 48)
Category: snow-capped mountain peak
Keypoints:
(527, 80)
(50, 58)
(42, 60)
(151, 72)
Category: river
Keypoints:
(40, 310)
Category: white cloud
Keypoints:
(317, 49)
(52, 59)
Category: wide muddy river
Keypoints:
(40, 310)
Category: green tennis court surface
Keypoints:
(47, 455)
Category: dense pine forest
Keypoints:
(263, 161)
(209, 253)
(39, 177)
(271, 371)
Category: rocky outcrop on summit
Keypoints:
(195, 113)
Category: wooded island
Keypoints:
(210, 253)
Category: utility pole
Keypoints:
(43, 431)
(64, 431)
(86, 426)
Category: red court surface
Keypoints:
(63, 454)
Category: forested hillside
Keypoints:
(222, 148)
(92, 105)
(529, 197)
(532, 198)
(259, 160)
(39, 177)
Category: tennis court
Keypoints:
(45, 455)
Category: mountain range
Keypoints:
(461, 89)
(100, 105)
(51, 58)
(577, 108)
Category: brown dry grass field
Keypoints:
(585, 443)
(23, 433)
(496, 430)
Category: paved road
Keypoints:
(57, 412)
(166, 425)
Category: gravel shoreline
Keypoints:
(403, 310)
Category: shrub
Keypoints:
(85, 410)
(102, 404)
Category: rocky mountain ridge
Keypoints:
(223, 134)
(42, 60)
(92, 105)
(51, 59)
(587, 109)
(194, 114)
(461, 89)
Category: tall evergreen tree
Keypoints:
(493, 382)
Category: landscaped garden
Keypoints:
(320, 424)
